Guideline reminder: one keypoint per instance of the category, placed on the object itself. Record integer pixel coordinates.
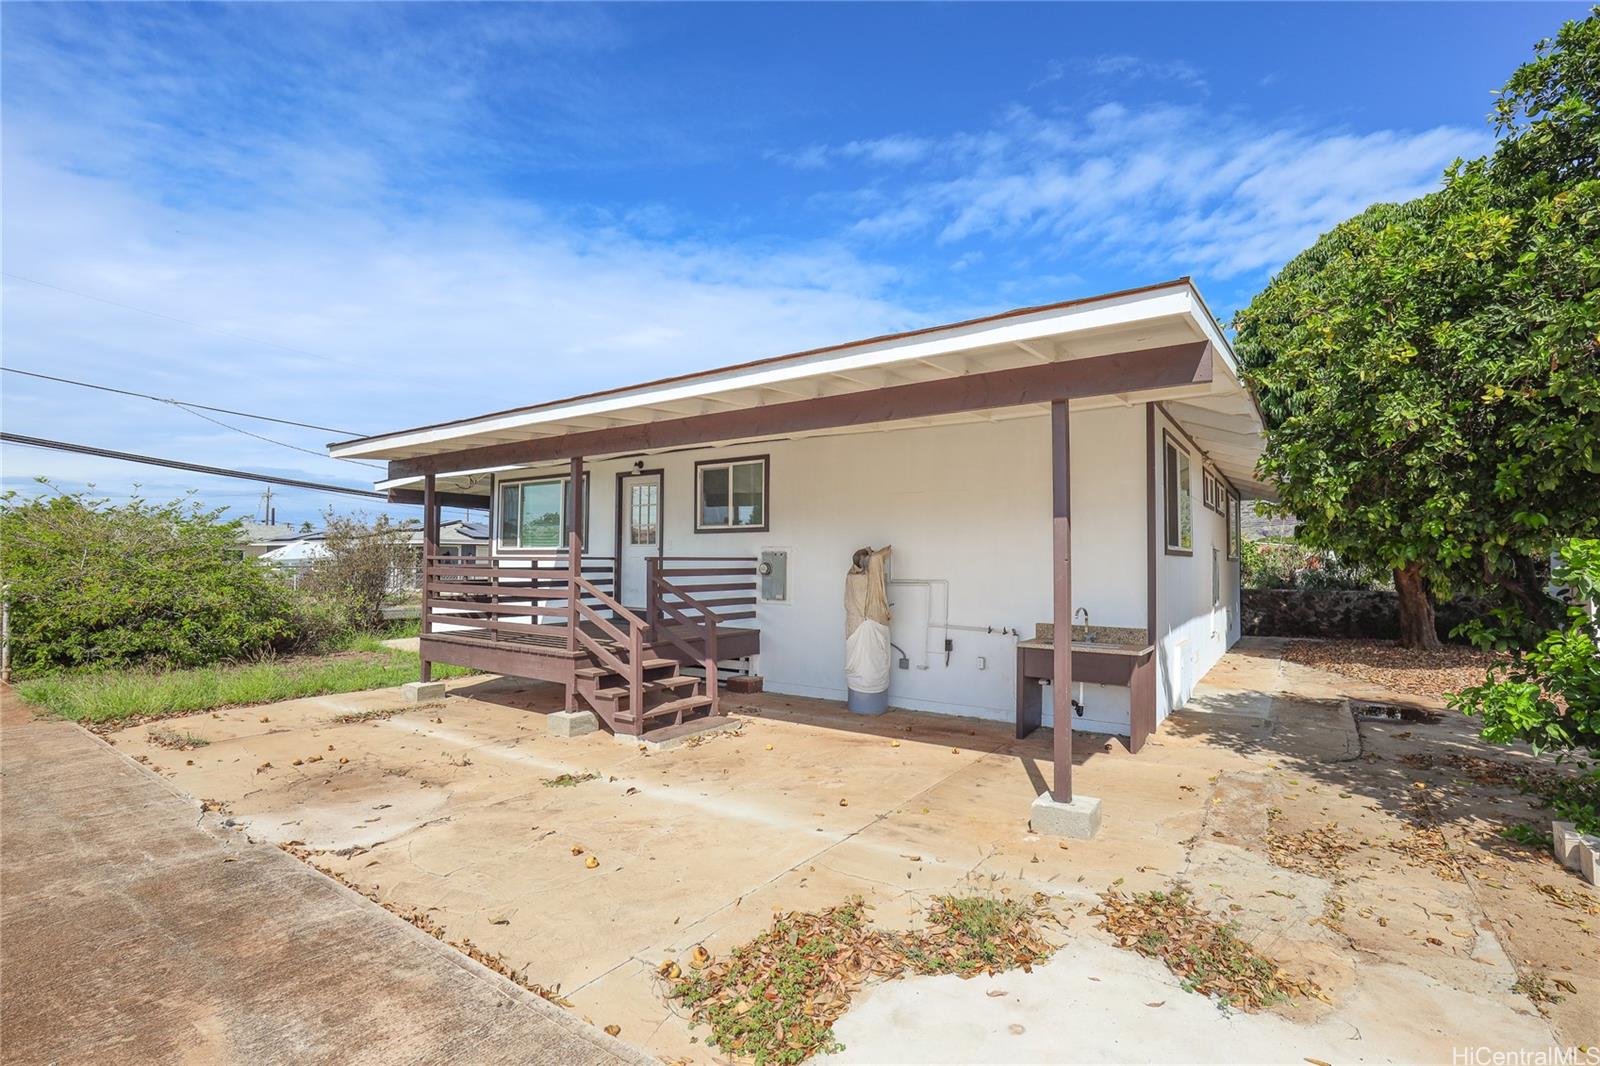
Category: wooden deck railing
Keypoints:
(625, 651)
(528, 598)
(689, 596)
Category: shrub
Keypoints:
(1548, 695)
(1278, 564)
(361, 565)
(319, 624)
(92, 583)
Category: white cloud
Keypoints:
(1173, 189)
(394, 317)
(899, 149)
(1122, 69)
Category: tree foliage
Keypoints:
(1548, 696)
(1430, 371)
(92, 583)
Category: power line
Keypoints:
(279, 443)
(179, 403)
(178, 464)
(174, 318)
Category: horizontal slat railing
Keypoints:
(497, 597)
(688, 598)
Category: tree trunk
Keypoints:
(1417, 628)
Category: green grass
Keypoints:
(108, 696)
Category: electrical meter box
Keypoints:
(773, 569)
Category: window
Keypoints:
(731, 495)
(1234, 508)
(644, 512)
(1179, 507)
(533, 514)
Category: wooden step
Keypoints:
(684, 706)
(592, 672)
(620, 692)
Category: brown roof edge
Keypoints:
(768, 360)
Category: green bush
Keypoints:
(361, 566)
(1548, 695)
(90, 583)
(1283, 564)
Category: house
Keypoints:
(295, 553)
(1084, 458)
(255, 539)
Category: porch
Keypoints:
(556, 616)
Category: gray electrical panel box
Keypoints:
(774, 571)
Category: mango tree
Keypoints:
(1430, 371)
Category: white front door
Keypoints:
(641, 534)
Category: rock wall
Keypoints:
(1366, 613)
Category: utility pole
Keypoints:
(266, 506)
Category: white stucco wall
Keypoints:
(968, 505)
(1191, 637)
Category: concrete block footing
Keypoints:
(422, 691)
(1078, 820)
(1575, 850)
(572, 723)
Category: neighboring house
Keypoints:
(1112, 431)
(456, 538)
(296, 553)
(258, 538)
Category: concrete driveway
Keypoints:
(136, 931)
(458, 813)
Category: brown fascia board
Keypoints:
(772, 359)
(1152, 368)
(446, 499)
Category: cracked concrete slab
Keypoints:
(807, 805)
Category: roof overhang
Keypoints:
(1158, 343)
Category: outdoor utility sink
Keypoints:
(1119, 637)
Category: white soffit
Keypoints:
(1169, 314)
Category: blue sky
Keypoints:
(371, 216)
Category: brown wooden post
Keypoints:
(636, 677)
(430, 550)
(652, 607)
(574, 550)
(711, 662)
(1061, 567)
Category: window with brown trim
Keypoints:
(532, 513)
(1179, 506)
(1235, 507)
(730, 495)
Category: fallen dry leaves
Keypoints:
(1206, 955)
(1425, 847)
(1318, 851)
(775, 998)
(1386, 664)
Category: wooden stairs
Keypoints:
(670, 697)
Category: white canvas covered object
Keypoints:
(866, 612)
